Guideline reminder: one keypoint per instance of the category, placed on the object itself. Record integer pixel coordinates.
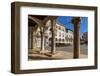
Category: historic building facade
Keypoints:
(63, 36)
(85, 37)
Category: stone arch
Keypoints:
(37, 21)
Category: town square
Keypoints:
(57, 37)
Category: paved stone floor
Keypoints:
(61, 53)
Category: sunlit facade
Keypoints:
(63, 36)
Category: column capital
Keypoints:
(76, 20)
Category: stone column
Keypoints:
(76, 22)
(53, 23)
(76, 41)
(29, 40)
(34, 40)
(42, 40)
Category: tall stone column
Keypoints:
(76, 41)
(53, 23)
(76, 22)
(42, 40)
(29, 40)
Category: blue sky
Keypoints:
(66, 21)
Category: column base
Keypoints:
(50, 54)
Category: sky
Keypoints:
(66, 21)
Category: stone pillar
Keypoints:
(33, 40)
(53, 23)
(29, 40)
(42, 40)
(76, 22)
(76, 41)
